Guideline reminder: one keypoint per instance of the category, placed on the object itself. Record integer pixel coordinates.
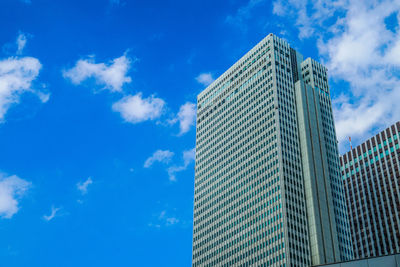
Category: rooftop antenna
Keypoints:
(351, 147)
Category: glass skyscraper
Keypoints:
(268, 188)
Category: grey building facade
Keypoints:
(268, 188)
(371, 176)
(385, 261)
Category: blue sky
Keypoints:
(97, 112)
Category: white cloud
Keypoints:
(361, 48)
(164, 220)
(132, 108)
(171, 221)
(16, 77)
(188, 157)
(163, 156)
(52, 214)
(135, 109)
(12, 189)
(162, 214)
(205, 79)
(308, 15)
(278, 8)
(44, 97)
(21, 42)
(112, 75)
(83, 186)
(186, 117)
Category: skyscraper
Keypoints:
(268, 188)
(371, 175)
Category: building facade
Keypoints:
(371, 176)
(386, 261)
(268, 188)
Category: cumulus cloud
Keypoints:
(361, 47)
(16, 78)
(188, 157)
(12, 189)
(53, 214)
(21, 42)
(132, 108)
(205, 78)
(163, 156)
(83, 186)
(135, 108)
(186, 117)
(112, 75)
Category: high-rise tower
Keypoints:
(268, 188)
(371, 175)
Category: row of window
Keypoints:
(242, 62)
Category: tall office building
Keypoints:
(268, 188)
(371, 176)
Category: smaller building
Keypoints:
(385, 261)
(371, 177)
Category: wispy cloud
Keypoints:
(16, 48)
(53, 214)
(83, 186)
(112, 75)
(188, 157)
(362, 48)
(163, 156)
(164, 219)
(135, 108)
(171, 221)
(243, 14)
(21, 42)
(205, 78)
(309, 16)
(12, 189)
